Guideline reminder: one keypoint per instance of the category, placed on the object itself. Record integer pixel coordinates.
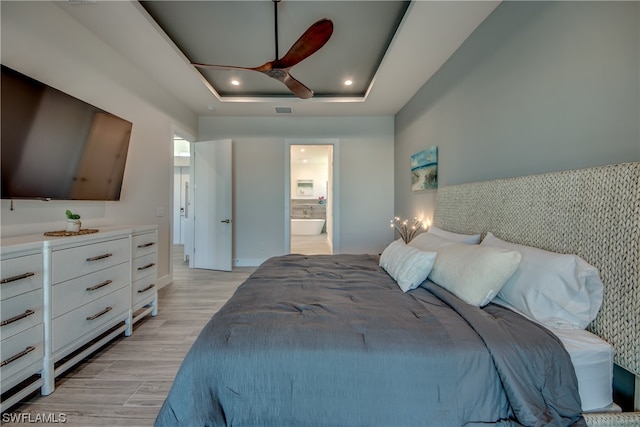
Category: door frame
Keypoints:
(335, 191)
(175, 131)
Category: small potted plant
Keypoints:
(73, 221)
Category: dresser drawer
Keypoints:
(145, 266)
(144, 244)
(20, 313)
(20, 275)
(76, 292)
(144, 290)
(23, 351)
(75, 324)
(80, 260)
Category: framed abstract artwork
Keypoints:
(424, 169)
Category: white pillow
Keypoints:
(557, 290)
(474, 273)
(429, 242)
(392, 255)
(473, 239)
(408, 266)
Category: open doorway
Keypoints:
(181, 205)
(311, 197)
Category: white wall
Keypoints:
(366, 179)
(538, 87)
(39, 39)
(318, 173)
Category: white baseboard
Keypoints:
(164, 281)
(248, 262)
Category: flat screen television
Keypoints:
(57, 147)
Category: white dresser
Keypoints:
(21, 321)
(65, 297)
(144, 274)
(88, 297)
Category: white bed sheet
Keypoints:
(592, 360)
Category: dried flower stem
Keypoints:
(407, 232)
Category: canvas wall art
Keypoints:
(424, 169)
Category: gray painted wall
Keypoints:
(41, 40)
(365, 203)
(538, 87)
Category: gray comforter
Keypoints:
(332, 341)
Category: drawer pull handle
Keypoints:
(146, 245)
(95, 316)
(18, 277)
(18, 356)
(99, 257)
(144, 267)
(16, 318)
(100, 285)
(151, 286)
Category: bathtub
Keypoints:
(306, 226)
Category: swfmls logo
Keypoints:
(36, 418)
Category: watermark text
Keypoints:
(35, 417)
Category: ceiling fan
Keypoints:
(309, 42)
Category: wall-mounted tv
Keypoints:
(57, 147)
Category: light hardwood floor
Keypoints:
(312, 244)
(125, 383)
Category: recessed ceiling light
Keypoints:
(235, 82)
(302, 150)
(348, 82)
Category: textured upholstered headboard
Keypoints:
(593, 212)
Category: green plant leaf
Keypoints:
(71, 215)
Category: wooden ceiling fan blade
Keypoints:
(224, 67)
(313, 39)
(309, 42)
(295, 86)
(282, 75)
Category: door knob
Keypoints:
(226, 221)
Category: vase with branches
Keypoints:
(406, 230)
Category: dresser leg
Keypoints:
(129, 322)
(48, 375)
(154, 312)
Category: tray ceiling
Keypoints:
(389, 49)
(243, 33)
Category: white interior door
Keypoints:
(180, 199)
(211, 205)
(187, 224)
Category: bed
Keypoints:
(334, 340)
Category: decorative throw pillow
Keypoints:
(474, 273)
(557, 290)
(408, 266)
(429, 242)
(473, 239)
(392, 254)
